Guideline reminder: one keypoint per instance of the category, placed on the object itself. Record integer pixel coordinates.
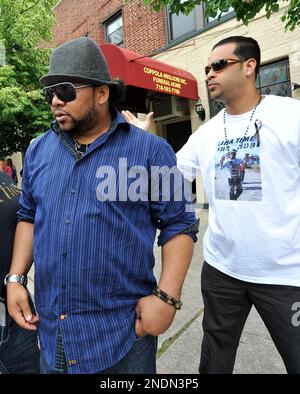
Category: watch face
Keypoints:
(21, 279)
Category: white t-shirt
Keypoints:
(255, 237)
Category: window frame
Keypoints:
(201, 24)
(113, 18)
(287, 81)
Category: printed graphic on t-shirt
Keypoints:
(237, 170)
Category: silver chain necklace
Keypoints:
(79, 148)
(247, 129)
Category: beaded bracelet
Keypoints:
(166, 298)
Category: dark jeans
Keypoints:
(141, 359)
(235, 187)
(227, 303)
(19, 352)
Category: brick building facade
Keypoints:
(144, 30)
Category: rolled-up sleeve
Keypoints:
(27, 209)
(170, 199)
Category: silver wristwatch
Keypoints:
(22, 279)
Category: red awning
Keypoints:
(147, 73)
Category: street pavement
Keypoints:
(179, 347)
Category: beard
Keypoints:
(80, 126)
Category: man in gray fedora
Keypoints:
(90, 229)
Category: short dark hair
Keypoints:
(246, 48)
(116, 93)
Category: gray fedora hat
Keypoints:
(79, 60)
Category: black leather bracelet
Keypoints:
(166, 298)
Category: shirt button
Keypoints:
(63, 287)
(65, 254)
(62, 317)
(73, 191)
(68, 221)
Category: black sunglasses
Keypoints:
(219, 65)
(65, 91)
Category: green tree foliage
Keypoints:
(245, 9)
(24, 25)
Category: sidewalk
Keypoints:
(179, 348)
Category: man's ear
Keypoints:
(250, 65)
(102, 94)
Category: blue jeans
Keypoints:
(141, 359)
(19, 352)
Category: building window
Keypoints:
(273, 78)
(182, 25)
(114, 30)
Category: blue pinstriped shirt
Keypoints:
(93, 259)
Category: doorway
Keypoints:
(177, 133)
